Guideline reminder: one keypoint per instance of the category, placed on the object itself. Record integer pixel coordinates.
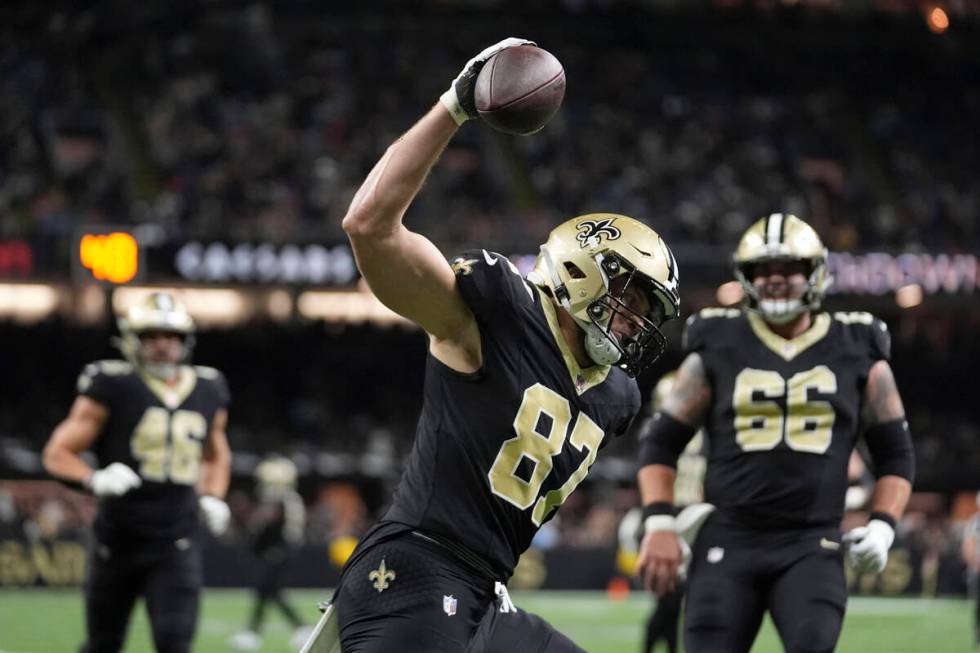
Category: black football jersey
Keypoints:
(785, 414)
(160, 432)
(497, 451)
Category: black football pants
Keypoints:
(738, 573)
(520, 631)
(421, 599)
(168, 577)
(663, 622)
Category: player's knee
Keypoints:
(173, 642)
(707, 613)
(707, 630)
(173, 637)
(104, 643)
(817, 633)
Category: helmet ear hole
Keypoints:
(574, 271)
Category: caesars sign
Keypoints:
(311, 264)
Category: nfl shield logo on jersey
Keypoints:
(449, 605)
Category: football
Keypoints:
(519, 89)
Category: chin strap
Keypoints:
(598, 346)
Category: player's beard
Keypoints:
(162, 371)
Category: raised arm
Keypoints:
(404, 269)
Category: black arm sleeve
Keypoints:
(890, 445)
(663, 439)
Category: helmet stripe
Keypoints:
(774, 229)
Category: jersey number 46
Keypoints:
(168, 445)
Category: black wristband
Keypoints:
(663, 439)
(658, 508)
(883, 516)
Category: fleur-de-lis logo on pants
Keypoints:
(382, 576)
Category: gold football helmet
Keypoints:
(158, 312)
(782, 237)
(276, 476)
(579, 261)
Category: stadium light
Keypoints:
(28, 302)
(346, 307)
(909, 296)
(279, 305)
(110, 257)
(937, 20)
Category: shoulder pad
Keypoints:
(112, 367)
(205, 372)
(698, 323)
(854, 317)
(714, 313)
(96, 377)
(486, 280)
(870, 330)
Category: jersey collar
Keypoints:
(790, 349)
(172, 396)
(582, 379)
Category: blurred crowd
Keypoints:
(43, 535)
(256, 121)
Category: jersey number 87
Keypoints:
(539, 448)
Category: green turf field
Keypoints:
(39, 621)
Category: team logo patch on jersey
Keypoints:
(463, 267)
(449, 604)
(382, 577)
(591, 231)
(715, 554)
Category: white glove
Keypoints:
(115, 480)
(216, 514)
(458, 99)
(867, 549)
(855, 497)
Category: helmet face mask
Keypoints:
(593, 266)
(158, 314)
(646, 343)
(791, 243)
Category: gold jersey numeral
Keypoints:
(168, 445)
(539, 448)
(805, 424)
